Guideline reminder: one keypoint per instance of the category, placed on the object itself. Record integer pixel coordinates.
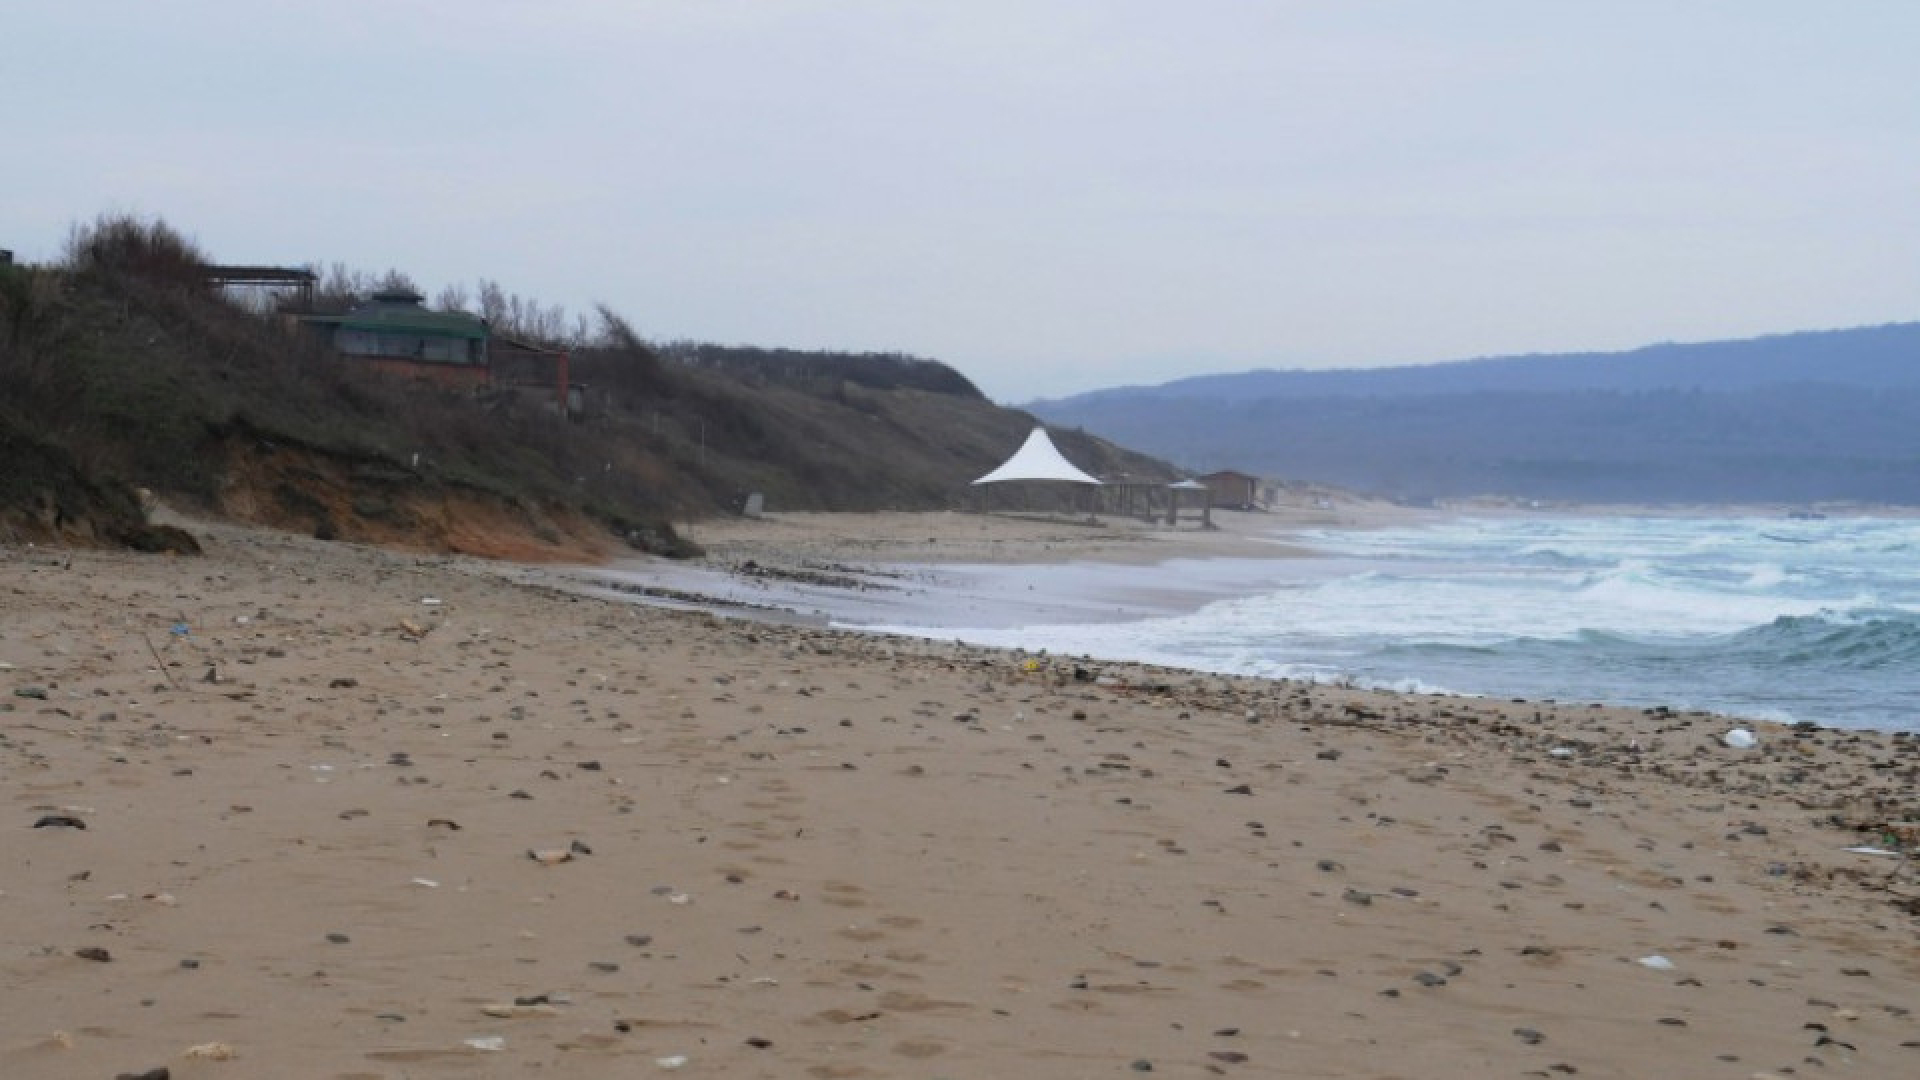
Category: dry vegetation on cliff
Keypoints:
(121, 367)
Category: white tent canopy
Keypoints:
(1037, 459)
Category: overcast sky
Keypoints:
(1050, 196)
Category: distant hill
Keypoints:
(123, 368)
(1831, 415)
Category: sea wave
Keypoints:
(1849, 641)
(1853, 640)
(1685, 612)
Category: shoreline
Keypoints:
(1066, 587)
(884, 569)
(779, 851)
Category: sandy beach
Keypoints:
(318, 810)
(944, 569)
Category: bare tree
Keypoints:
(525, 317)
(493, 303)
(396, 281)
(339, 288)
(454, 297)
(634, 366)
(616, 332)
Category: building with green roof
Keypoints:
(394, 333)
(394, 325)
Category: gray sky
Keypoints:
(1051, 196)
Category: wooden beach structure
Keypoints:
(1233, 489)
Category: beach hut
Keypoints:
(1233, 489)
(1201, 494)
(1036, 460)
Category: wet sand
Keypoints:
(373, 815)
(971, 570)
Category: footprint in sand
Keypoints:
(839, 1072)
(902, 1002)
(841, 894)
(844, 1016)
(920, 1048)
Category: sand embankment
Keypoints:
(364, 803)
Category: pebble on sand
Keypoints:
(506, 1011)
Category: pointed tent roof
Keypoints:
(1037, 459)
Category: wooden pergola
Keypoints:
(298, 279)
(1156, 500)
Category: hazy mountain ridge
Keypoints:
(1794, 417)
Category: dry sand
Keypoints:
(787, 852)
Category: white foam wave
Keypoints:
(1415, 608)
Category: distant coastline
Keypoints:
(1788, 419)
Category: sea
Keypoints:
(1771, 618)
